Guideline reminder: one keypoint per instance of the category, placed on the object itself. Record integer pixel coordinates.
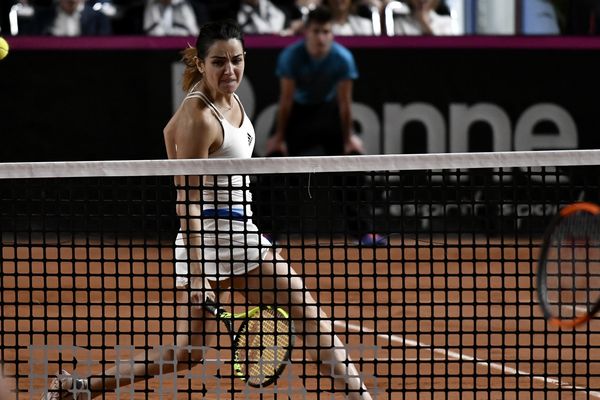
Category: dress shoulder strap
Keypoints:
(193, 93)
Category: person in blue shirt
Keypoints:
(314, 116)
(316, 76)
(539, 17)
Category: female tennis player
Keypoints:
(218, 239)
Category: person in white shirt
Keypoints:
(424, 20)
(260, 17)
(68, 18)
(380, 4)
(346, 22)
(170, 18)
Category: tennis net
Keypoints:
(425, 264)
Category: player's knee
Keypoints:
(310, 312)
(314, 326)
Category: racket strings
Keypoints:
(573, 267)
(264, 347)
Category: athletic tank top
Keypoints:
(229, 192)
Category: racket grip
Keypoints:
(212, 307)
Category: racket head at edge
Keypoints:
(263, 345)
(584, 211)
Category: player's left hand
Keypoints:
(200, 291)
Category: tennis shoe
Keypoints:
(65, 386)
(373, 239)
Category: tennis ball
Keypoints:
(3, 48)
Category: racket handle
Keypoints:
(212, 307)
(219, 313)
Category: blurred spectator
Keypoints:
(423, 20)
(260, 16)
(170, 18)
(346, 22)
(561, 8)
(496, 17)
(68, 18)
(540, 18)
(379, 4)
(297, 13)
(306, 6)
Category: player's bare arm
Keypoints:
(197, 133)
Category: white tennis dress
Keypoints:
(231, 244)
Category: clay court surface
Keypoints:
(427, 318)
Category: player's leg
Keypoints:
(276, 282)
(192, 333)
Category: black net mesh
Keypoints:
(426, 277)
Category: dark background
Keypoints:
(77, 104)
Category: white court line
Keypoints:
(462, 357)
(465, 357)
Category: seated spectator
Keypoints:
(424, 20)
(297, 13)
(379, 4)
(260, 16)
(170, 18)
(305, 6)
(346, 22)
(539, 17)
(69, 18)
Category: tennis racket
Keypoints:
(262, 344)
(568, 277)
